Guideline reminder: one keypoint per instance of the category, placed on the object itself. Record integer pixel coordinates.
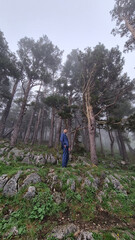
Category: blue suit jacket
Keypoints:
(64, 140)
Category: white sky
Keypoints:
(69, 24)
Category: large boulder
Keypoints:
(30, 193)
(3, 180)
(40, 160)
(27, 160)
(51, 159)
(16, 153)
(32, 178)
(10, 189)
(116, 184)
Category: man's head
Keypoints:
(65, 130)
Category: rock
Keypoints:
(87, 182)
(2, 150)
(71, 182)
(3, 180)
(32, 178)
(62, 231)
(27, 160)
(79, 179)
(100, 195)
(116, 183)
(51, 159)
(40, 160)
(95, 183)
(89, 173)
(13, 232)
(57, 197)
(30, 193)
(123, 163)
(16, 153)
(133, 178)
(85, 236)
(82, 159)
(10, 189)
(2, 159)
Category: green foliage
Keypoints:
(97, 236)
(43, 205)
(73, 196)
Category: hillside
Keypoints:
(41, 200)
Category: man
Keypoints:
(65, 148)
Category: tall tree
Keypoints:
(10, 73)
(38, 60)
(124, 14)
(103, 85)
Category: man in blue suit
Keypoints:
(65, 148)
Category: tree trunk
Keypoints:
(112, 141)
(129, 27)
(27, 135)
(36, 127)
(20, 117)
(52, 128)
(7, 109)
(41, 127)
(123, 147)
(92, 134)
(57, 140)
(101, 144)
(130, 148)
(31, 118)
(118, 142)
(69, 132)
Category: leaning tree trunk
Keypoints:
(7, 109)
(129, 27)
(20, 117)
(52, 128)
(92, 134)
(27, 135)
(123, 147)
(57, 140)
(36, 127)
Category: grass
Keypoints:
(37, 217)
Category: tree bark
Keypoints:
(36, 127)
(20, 117)
(92, 134)
(57, 140)
(26, 139)
(41, 127)
(123, 147)
(112, 140)
(129, 27)
(7, 109)
(101, 144)
(52, 128)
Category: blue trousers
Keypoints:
(65, 157)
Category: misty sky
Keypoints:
(69, 24)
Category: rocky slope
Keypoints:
(41, 200)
